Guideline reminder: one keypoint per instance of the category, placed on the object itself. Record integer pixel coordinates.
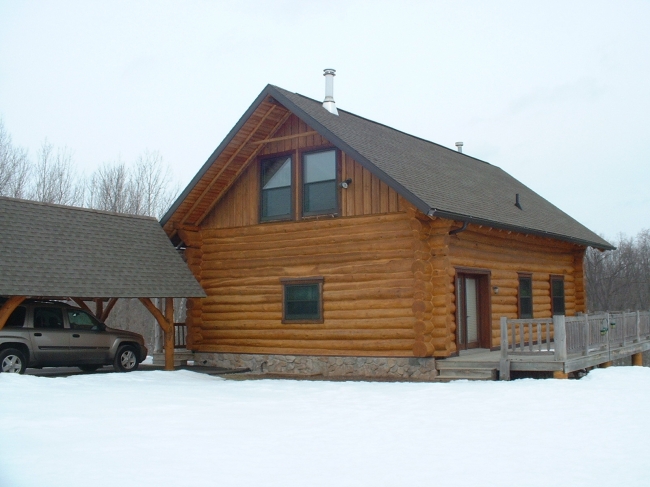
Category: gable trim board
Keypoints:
(438, 181)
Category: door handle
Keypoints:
(38, 334)
(75, 335)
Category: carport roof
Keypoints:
(60, 251)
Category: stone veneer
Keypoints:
(335, 367)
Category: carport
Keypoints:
(92, 258)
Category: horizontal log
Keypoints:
(302, 351)
(295, 248)
(485, 236)
(310, 335)
(345, 344)
(372, 323)
(314, 226)
(261, 264)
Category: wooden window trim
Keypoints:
(520, 276)
(303, 281)
(301, 188)
(260, 162)
(557, 277)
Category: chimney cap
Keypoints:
(459, 146)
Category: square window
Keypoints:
(319, 183)
(302, 300)
(276, 189)
(525, 296)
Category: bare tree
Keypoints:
(14, 167)
(56, 177)
(620, 279)
(109, 189)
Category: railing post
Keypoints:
(587, 334)
(559, 332)
(638, 326)
(504, 363)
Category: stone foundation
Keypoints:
(335, 367)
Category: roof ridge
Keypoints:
(79, 208)
(390, 128)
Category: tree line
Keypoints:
(141, 188)
(619, 280)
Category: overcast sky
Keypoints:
(555, 93)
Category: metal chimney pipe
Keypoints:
(459, 146)
(329, 104)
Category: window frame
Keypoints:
(305, 281)
(529, 277)
(557, 278)
(300, 193)
(292, 188)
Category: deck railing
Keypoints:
(561, 336)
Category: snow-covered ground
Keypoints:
(186, 429)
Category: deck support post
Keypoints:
(604, 365)
(504, 363)
(559, 338)
(559, 374)
(637, 359)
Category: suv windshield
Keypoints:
(80, 320)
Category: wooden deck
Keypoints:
(559, 344)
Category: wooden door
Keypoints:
(471, 315)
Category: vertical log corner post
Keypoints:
(166, 322)
(10, 305)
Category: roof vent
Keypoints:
(517, 202)
(329, 104)
(459, 146)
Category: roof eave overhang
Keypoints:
(213, 157)
(433, 212)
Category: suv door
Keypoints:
(89, 341)
(50, 339)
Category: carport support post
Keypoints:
(166, 322)
(10, 305)
(169, 334)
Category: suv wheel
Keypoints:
(12, 361)
(126, 359)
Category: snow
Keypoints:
(155, 428)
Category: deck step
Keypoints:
(466, 364)
(468, 374)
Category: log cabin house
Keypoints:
(331, 244)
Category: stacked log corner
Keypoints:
(433, 305)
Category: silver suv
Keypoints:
(53, 334)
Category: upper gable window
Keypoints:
(319, 183)
(276, 189)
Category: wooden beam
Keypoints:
(160, 318)
(10, 305)
(80, 302)
(225, 165)
(169, 334)
(99, 306)
(241, 169)
(108, 309)
(285, 137)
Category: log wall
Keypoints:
(368, 291)
(505, 255)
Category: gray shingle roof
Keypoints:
(58, 251)
(439, 179)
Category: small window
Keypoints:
(303, 300)
(276, 189)
(17, 318)
(51, 318)
(80, 320)
(557, 295)
(319, 183)
(525, 296)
